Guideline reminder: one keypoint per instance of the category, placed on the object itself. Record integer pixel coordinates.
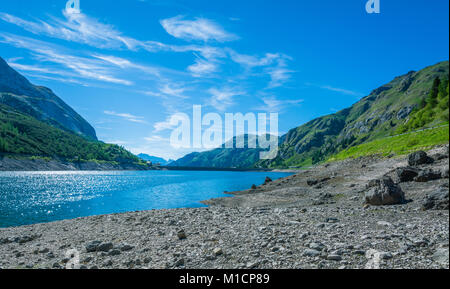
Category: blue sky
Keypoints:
(128, 65)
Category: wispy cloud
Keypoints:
(222, 99)
(84, 67)
(164, 125)
(202, 68)
(337, 89)
(156, 139)
(341, 90)
(278, 76)
(126, 116)
(197, 29)
(273, 104)
(76, 27)
(251, 61)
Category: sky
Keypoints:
(127, 66)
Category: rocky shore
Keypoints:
(331, 216)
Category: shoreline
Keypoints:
(314, 219)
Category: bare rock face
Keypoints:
(419, 158)
(384, 192)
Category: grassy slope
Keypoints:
(398, 145)
(22, 135)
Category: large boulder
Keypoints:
(436, 201)
(384, 192)
(428, 175)
(406, 174)
(419, 158)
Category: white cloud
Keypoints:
(124, 63)
(76, 27)
(164, 125)
(84, 67)
(126, 116)
(198, 29)
(202, 68)
(253, 61)
(341, 90)
(222, 99)
(278, 76)
(156, 138)
(272, 104)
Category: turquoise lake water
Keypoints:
(38, 197)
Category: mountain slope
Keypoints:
(387, 110)
(380, 114)
(23, 135)
(221, 157)
(40, 102)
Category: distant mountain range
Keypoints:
(37, 124)
(221, 157)
(411, 101)
(155, 160)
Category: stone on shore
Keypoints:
(384, 192)
(419, 158)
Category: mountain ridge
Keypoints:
(380, 114)
(40, 102)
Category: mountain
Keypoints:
(222, 157)
(384, 112)
(40, 102)
(37, 127)
(409, 102)
(154, 160)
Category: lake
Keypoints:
(39, 197)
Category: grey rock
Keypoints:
(334, 257)
(105, 247)
(317, 246)
(181, 235)
(114, 252)
(428, 175)
(385, 192)
(92, 246)
(419, 158)
(406, 174)
(218, 251)
(126, 247)
(438, 200)
(311, 253)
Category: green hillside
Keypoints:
(23, 135)
(409, 102)
(397, 145)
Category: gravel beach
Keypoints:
(317, 219)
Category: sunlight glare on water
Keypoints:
(36, 197)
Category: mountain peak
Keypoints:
(39, 102)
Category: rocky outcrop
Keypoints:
(40, 102)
